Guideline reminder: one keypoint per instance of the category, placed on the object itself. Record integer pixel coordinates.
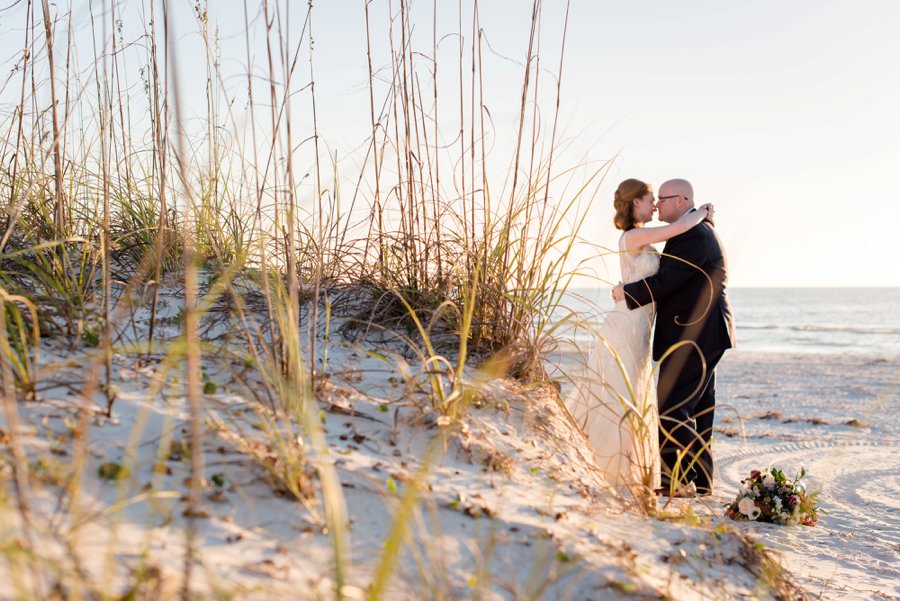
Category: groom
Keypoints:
(694, 326)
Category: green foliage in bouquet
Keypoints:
(768, 496)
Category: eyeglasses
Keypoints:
(662, 198)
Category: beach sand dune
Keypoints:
(507, 503)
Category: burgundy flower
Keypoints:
(768, 496)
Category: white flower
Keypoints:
(777, 502)
(769, 480)
(748, 508)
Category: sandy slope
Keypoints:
(509, 504)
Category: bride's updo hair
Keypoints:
(623, 202)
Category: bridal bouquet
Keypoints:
(768, 496)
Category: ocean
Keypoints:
(857, 321)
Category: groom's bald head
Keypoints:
(678, 186)
(676, 197)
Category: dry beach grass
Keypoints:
(215, 387)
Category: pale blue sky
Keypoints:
(783, 114)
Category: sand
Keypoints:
(508, 502)
(839, 416)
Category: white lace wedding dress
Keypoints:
(614, 400)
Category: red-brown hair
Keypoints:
(624, 202)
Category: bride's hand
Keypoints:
(695, 217)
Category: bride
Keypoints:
(614, 402)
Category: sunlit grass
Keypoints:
(102, 217)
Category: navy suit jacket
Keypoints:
(689, 291)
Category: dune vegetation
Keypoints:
(202, 317)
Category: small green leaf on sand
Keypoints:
(161, 468)
(90, 339)
(625, 587)
(113, 471)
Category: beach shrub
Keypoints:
(19, 341)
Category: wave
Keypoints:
(756, 326)
(848, 329)
(836, 329)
